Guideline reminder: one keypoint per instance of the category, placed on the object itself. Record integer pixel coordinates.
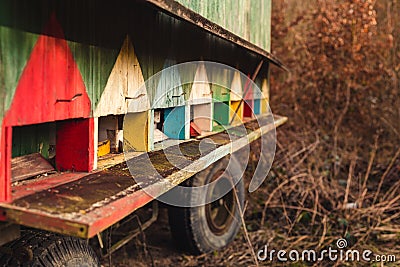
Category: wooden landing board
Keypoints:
(92, 202)
(29, 166)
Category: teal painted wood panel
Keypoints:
(174, 122)
(257, 106)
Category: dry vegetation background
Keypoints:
(342, 142)
(337, 167)
(341, 145)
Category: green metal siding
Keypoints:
(31, 139)
(249, 19)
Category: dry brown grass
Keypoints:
(337, 166)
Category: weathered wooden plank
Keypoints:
(52, 81)
(28, 166)
(137, 99)
(221, 80)
(112, 99)
(203, 116)
(88, 205)
(15, 48)
(5, 163)
(239, 114)
(33, 138)
(75, 146)
(175, 122)
(265, 89)
(125, 79)
(221, 114)
(257, 89)
(95, 64)
(257, 106)
(265, 100)
(136, 131)
(201, 90)
(248, 106)
(236, 87)
(248, 89)
(16, 44)
(169, 91)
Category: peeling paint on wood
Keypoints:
(236, 87)
(75, 145)
(125, 79)
(201, 90)
(234, 105)
(50, 75)
(28, 166)
(95, 69)
(136, 131)
(203, 116)
(169, 91)
(221, 114)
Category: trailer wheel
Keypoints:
(213, 226)
(38, 248)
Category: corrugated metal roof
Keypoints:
(181, 12)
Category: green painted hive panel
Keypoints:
(249, 19)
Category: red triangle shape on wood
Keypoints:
(51, 86)
(194, 129)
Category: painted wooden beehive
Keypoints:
(70, 80)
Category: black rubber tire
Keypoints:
(190, 228)
(39, 248)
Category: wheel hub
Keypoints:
(219, 214)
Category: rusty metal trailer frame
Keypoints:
(73, 204)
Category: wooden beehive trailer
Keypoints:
(69, 72)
